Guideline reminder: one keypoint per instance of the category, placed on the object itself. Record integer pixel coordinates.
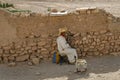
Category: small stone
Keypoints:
(41, 57)
(22, 58)
(28, 48)
(12, 51)
(6, 48)
(30, 63)
(12, 64)
(35, 61)
(31, 36)
(15, 55)
(96, 53)
(95, 11)
(41, 43)
(34, 48)
(11, 58)
(103, 31)
(37, 73)
(84, 11)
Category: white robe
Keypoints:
(65, 49)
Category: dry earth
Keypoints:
(99, 68)
(112, 6)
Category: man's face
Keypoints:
(63, 34)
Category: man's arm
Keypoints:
(64, 43)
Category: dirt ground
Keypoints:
(41, 6)
(99, 68)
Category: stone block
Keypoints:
(34, 48)
(96, 53)
(41, 43)
(5, 55)
(41, 57)
(6, 47)
(112, 43)
(43, 50)
(1, 51)
(6, 51)
(94, 43)
(11, 58)
(12, 64)
(18, 51)
(22, 49)
(35, 61)
(5, 59)
(103, 31)
(115, 53)
(92, 47)
(1, 60)
(12, 51)
(38, 51)
(22, 58)
(88, 12)
(93, 11)
(32, 56)
(90, 53)
(84, 11)
(100, 48)
(15, 55)
(86, 49)
(96, 33)
(17, 46)
(32, 44)
(29, 51)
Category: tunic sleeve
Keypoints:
(64, 43)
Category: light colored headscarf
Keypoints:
(61, 30)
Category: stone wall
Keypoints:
(95, 33)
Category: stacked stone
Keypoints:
(96, 43)
(33, 50)
(88, 10)
(29, 50)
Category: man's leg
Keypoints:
(61, 60)
(71, 53)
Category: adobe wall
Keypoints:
(34, 35)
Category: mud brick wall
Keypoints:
(95, 33)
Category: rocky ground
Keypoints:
(99, 68)
(41, 6)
